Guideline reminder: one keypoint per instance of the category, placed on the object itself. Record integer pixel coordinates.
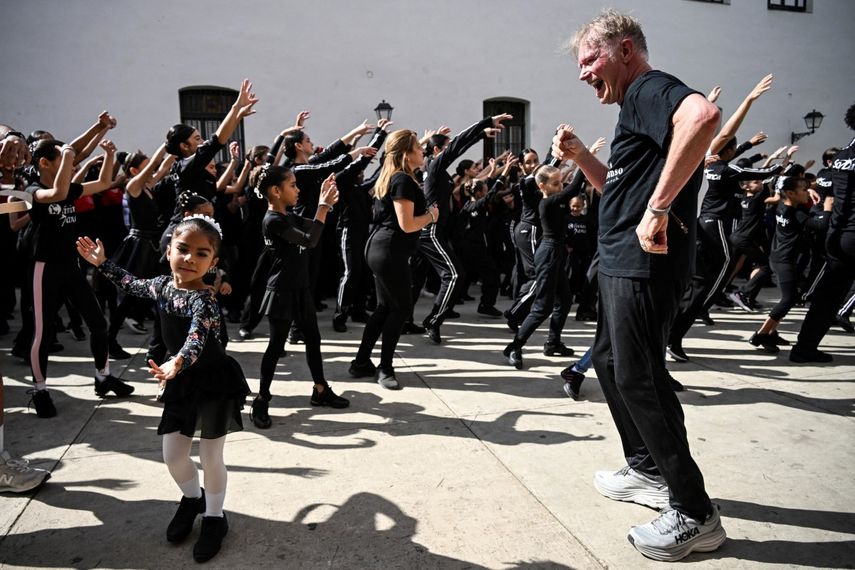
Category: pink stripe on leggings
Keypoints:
(38, 321)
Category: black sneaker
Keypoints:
(677, 353)
(572, 381)
(489, 311)
(112, 384)
(361, 369)
(77, 332)
(245, 334)
(339, 323)
(328, 398)
(586, 316)
(386, 379)
(557, 349)
(295, 336)
(412, 328)
(433, 334)
(845, 324)
(764, 342)
(707, 319)
(116, 351)
(512, 324)
(214, 530)
(452, 314)
(41, 401)
(514, 354)
(360, 317)
(802, 356)
(778, 339)
(674, 383)
(182, 522)
(738, 298)
(259, 413)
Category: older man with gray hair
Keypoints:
(649, 188)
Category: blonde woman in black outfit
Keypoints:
(400, 212)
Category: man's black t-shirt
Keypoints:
(843, 186)
(54, 233)
(638, 151)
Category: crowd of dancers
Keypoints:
(179, 246)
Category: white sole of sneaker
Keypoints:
(705, 543)
(652, 499)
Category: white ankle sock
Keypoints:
(191, 488)
(41, 385)
(103, 373)
(214, 504)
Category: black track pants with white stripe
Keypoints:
(353, 286)
(714, 265)
(434, 247)
(525, 240)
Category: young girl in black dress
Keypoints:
(205, 388)
(288, 298)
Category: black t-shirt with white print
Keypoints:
(54, 226)
(638, 152)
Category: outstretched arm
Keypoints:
(728, 131)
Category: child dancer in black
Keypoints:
(400, 212)
(790, 221)
(55, 273)
(549, 261)
(288, 298)
(204, 387)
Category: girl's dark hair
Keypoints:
(729, 145)
(177, 134)
(291, 141)
(39, 135)
(187, 202)
(796, 170)
(463, 166)
(790, 183)
(263, 177)
(850, 117)
(45, 148)
(133, 160)
(436, 141)
(524, 152)
(202, 226)
(256, 152)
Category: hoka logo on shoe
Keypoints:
(684, 536)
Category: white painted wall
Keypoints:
(65, 60)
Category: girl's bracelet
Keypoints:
(432, 217)
(327, 204)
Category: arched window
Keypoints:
(514, 137)
(204, 108)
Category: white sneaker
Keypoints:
(135, 326)
(632, 486)
(17, 476)
(673, 535)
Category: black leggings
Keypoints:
(51, 283)
(788, 283)
(394, 298)
(276, 346)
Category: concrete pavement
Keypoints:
(472, 465)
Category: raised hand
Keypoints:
(234, 150)
(329, 190)
(598, 144)
(778, 152)
(491, 132)
(764, 85)
(367, 151)
(107, 120)
(384, 124)
(565, 144)
(758, 138)
(364, 128)
(108, 146)
(91, 251)
(499, 119)
(710, 159)
(510, 164)
(14, 153)
(302, 116)
(714, 94)
(246, 99)
(792, 150)
(292, 129)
